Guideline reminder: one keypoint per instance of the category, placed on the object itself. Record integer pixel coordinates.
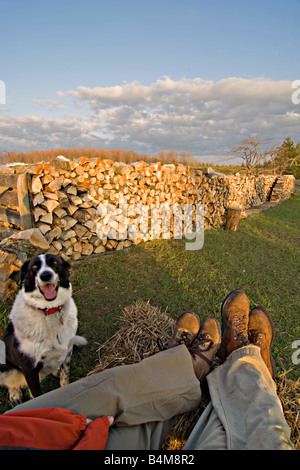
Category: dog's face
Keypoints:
(43, 277)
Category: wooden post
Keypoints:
(233, 218)
(24, 201)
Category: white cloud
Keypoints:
(203, 117)
(51, 105)
(234, 91)
(36, 132)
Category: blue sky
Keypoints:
(153, 75)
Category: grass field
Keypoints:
(262, 258)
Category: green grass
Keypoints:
(262, 258)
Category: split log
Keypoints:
(36, 185)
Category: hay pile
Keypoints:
(289, 394)
(139, 328)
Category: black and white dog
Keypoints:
(42, 330)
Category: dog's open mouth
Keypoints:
(49, 291)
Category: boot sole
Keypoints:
(216, 347)
(220, 339)
(219, 333)
(274, 368)
(222, 353)
(228, 298)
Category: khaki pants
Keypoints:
(244, 413)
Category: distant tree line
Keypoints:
(126, 156)
(256, 157)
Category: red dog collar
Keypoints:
(50, 311)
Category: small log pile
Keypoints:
(282, 189)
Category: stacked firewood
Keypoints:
(95, 206)
(89, 207)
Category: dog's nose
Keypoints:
(46, 276)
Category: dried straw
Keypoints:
(139, 327)
(289, 394)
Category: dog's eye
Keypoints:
(34, 267)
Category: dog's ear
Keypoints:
(65, 263)
(24, 270)
(64, 273)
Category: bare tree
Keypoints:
(252, 153)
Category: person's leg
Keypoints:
(151, 392)
(148, 436)
(202, 347)
(155, 389)
(245, 411)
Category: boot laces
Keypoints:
(240, 328)
(203, 343)
(182, 337)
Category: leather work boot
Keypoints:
(186, 329)
(261, 333)
(235, 316)
(205, 347)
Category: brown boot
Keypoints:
(235, 315)
(262, 334)
(186, 330)
(205, 347)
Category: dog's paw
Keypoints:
(15, 396)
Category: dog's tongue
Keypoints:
(49, 291)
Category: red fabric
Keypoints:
(52, 429)
(95, 435)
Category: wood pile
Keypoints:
(89, 207)
(14, 201)
(78, 208)
(248, 191)
(282, 189)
